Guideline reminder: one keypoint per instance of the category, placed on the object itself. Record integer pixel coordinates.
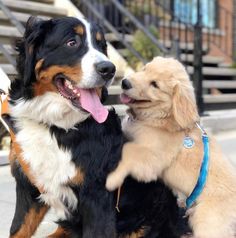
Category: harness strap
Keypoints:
(4, 110)
(4, 107)
(202, 177)
(118, 199)
(5, 117)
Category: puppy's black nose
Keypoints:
(106, 70)
(126, 84)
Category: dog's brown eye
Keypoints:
(154, 84)
(72, 43)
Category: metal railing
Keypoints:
(184, 27)
(175, 21)
(116, 18)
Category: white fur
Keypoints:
(92, 57)
(51, 166)
(49, 108)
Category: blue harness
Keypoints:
(203, 171)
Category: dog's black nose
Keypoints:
(126, 84)
(106, 70)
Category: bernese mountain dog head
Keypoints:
(63, 69)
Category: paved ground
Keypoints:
(7, 190)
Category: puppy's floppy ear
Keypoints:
(184, 106)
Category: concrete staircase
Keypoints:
(219, 82)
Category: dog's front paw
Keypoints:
(114, 181)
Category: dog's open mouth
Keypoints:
(129, 100)
(86, 99)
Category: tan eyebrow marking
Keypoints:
(79, 29)
(98, 36)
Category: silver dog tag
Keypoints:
(188, 142)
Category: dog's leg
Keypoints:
(29, 211)
(137, 161)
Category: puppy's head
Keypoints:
(64, 60)
(161, 90)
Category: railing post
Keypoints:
(198, 53)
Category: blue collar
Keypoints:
(201, 182)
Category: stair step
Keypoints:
(189, 58)
(221, 98)
(225, 65)
(183, 46)
(8, 69)
(42, 1)
(22, 17)
(215, 71)
(9, 32)
(35, 8)
(207, 59)
(221, 84)
(10, 50)
(111, 37)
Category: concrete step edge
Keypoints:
(22, 17)
(28, 6)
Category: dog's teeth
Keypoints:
(78, 94)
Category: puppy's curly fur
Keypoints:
(163, 111)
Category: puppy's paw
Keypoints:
(114, 181)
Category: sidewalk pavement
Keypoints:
(226, 139)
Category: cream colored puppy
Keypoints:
(163, 113)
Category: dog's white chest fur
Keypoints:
(50, 166)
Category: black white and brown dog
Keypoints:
(65, 141)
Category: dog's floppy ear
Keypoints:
(184, 106)
(32, 32)
(35, 31)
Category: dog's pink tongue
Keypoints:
(90, 101)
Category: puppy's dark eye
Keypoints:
(72, 43)
(154, 84)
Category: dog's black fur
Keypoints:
(96, 150)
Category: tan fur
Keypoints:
(157, 128)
